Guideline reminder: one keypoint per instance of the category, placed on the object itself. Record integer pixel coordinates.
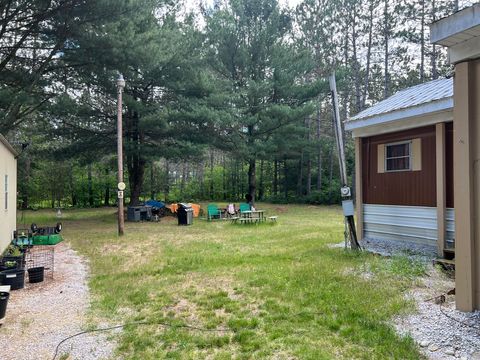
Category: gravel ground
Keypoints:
(389, 248)
(41, 315)
(441, 331)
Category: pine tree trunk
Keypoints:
(242, 180)
(167, 181)
(211, 174)
(152, 181)
(275, 177)
(356, 63)
(106, 199)
(187, 172)
(237, 182)
(224, 177)
(369, 55)
(422, 42)
(285, 178)
(201, 178)
(73, 193)
(25, 194)
(135, 161)
(136, 178)
(308, 162)
(386, 38)
(252, 178)
(308, 189)
(90, 185)
(319, 148)
(434, 47)
(300, 175)
(261, 188)
(183, 180)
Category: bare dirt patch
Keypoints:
(184, 309)
(41, 315)
(204, 286)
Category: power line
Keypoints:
(161, 323)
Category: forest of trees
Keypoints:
(221, 98)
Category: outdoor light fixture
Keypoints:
(121, 185)
(120, 82)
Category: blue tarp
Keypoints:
(155, 203)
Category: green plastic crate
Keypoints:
(52, 239)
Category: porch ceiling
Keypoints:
(457, 28)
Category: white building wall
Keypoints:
(450, 228)
(406, 224)
(8, 213)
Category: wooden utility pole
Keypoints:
(347, 203)
(121, 185)
(338, 130)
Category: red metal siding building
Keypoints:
(409, 188)
(404, 162)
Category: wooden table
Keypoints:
(251, 216)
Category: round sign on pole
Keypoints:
(121, 186)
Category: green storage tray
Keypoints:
(53, 239)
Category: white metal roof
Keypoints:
(423, 99)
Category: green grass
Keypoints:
(279, 289)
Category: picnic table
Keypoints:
(251, 216)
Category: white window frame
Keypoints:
(410, 157)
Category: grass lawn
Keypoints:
(279, 289)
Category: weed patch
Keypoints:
(273, 291)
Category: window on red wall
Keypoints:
(398, 156)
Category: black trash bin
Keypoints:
(185, 214)
(139, 213)
(14, 262)
(146, 213)
(36, 274)
(3, 303)
(134, 213)
(13, 277)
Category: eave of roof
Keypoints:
(420, 110)
(8, 146)
(456, 28)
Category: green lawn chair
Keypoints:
(213, 212)
(244, 207)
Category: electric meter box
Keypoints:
(348, 208)
(345, 191)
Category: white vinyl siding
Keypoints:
(8, 195)
(407, 224)
(450, 228)
(6, 192)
